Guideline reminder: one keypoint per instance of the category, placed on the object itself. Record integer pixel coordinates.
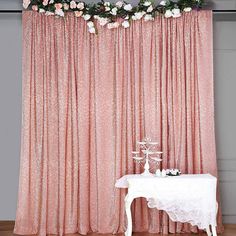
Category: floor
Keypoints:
(6, 228)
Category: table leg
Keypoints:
(128, 202)
(208, 231)
(213, 228)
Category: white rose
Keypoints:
(127, 17)
(103, 21)
(92, 30)
(119, 4)
(26, 3)
(41, 10)
(96, 17)
(107, 4)
(147, 3)
(90, 24)
(107, 8)
(187, 9)
(176, 12)
(116, 25)
(51, 2)
(134, 17)
(168, 13)
(139, 15)
(114, 11)
(113, 25)
(150, 9)
(86, 17)
(73, 5)
(125, 24)
(163, 3)
(80, 5)
(148, 17)
(128, 7)
(66, 6)
(49, 13)
(59, 12)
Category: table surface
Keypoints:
(123, 181)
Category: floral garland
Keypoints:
(107, 13)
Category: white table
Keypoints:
(186, 198)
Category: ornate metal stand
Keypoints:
(148, 149)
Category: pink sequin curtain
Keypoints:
(88, 98)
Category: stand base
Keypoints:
(147, 173)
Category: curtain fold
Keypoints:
(88, 98)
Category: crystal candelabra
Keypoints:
(148, 148)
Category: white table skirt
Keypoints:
(185, 198)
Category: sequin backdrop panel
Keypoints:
(88, 98)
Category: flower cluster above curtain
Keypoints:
(107, 13)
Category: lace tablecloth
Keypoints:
(185, 198)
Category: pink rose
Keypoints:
(35, 8)
(78, 13)
(58, 6)
(45, 2)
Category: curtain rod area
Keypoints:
(214, 11)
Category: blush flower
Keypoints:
(59, 12)
(103, 21)
(58, 6)
(45, 2)
(78, 13)
(35, 8)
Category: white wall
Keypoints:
(225, 110)
(10, 112)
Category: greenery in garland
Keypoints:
(107, 13)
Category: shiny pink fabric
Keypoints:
(88, 98)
